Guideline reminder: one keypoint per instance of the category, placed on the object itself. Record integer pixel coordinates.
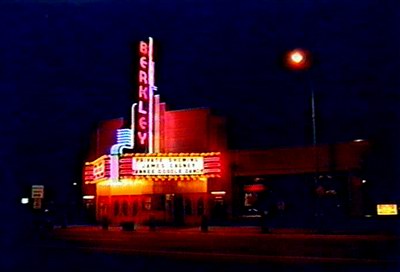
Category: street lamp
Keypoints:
(300, 60)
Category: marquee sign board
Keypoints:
(171, 164)
(98, 170)
(167, 166)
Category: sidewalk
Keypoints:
(244, 244)
(237, 231)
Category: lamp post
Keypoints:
(300, 60)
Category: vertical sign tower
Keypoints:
(143, 115)
(140, 137)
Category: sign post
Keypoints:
(37, 203)
(37, 195)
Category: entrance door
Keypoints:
(219, 210)
(178, 210)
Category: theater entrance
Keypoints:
(178, 210)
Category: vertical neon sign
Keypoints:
(151, 96)
(140, 135)
(144, 111)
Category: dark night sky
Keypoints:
(65, 66)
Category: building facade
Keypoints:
(184, 180)
(175, 167)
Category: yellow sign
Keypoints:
(387, 209)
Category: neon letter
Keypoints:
(142, 137)
(142, 77)
(143, 48)
(143, 92)
(141, 110)
(143, 63)
(143, 122)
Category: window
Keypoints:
(188, 206)
(125, 208)
(250, 199)
(146, 203)
(158, 202)
(200, 206)
(135, 208)
(116, 208)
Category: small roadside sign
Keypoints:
(387, 209)
(37, 191)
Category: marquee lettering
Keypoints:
(142, 137)
(143, 123)
(143, 92)
(143, 48)
(143, 63)
(142, 77)
(168, 166)
(141, 106)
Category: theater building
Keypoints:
(175, 166)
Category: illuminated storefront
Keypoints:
(174, 166)
(154, 185)
(166, 165)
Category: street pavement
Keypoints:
(90, 248)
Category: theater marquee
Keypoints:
(171, 164)
(97, 170)
(168, 166)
